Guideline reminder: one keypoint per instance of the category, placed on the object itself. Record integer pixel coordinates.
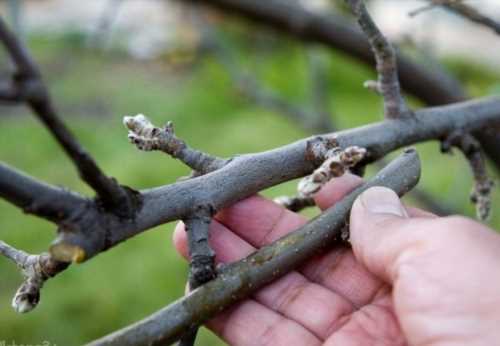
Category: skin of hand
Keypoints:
(410, 278)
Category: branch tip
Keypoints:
(36, 269)
(145, 136)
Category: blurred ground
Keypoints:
(93, 92)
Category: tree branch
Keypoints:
(322, 119)
(36, 269)
(202, 259)
(388, 80)
(483, 185)
(148, 137)
(35, 197)
(248, 174)
(239, 280)
(30, 86)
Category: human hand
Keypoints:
(411, 277)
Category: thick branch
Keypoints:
(29, 82)
(239, 280)
(35, 197)
(248, 174)
(388, 80)
(36, 269)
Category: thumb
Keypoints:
(382, 231)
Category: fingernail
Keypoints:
(381, 200)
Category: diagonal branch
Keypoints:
(239, 280)
(388, 80)
(248, 174)
(28, 81)
(36, 269)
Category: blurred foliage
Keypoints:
(94, 90)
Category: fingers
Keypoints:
(250, 323)
(336, 189)
(339, 271)
(385, 236)
(381, 231)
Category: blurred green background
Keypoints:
(94, 90)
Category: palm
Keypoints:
(330, 300)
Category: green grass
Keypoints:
(93, 92)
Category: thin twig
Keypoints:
(483, 185)
(239, 280)
(148, 137)
(388, 80)
(36, 269)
